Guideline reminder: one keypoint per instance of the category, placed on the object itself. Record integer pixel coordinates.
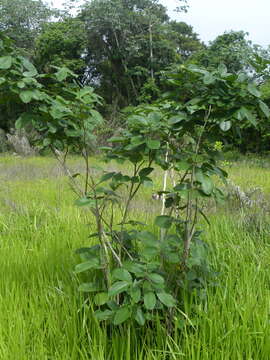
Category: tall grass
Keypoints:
(42, 315)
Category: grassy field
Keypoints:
(42, 316)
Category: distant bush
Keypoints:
(4, 147)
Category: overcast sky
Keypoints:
(211, 18)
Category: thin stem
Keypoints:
(74, 186)
(165, 178)
(86, 172)
(190, 224)
(98, 217)
(165, 181)
(86, 159)
(108, 243)
(132, 192)
(184, 176)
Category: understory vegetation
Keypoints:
(44, 317)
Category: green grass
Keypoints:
(42, 314)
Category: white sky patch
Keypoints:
(211, 18)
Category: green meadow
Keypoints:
(44, 317)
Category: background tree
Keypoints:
(61, 43)
(232, 49)
(185, 39)
(260, 63)
(114, 33)
(10, 64)
(128, 42)
(22, 20)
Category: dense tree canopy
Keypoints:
(119, 33)
(186, 41)
(122, 49)
(61, 43)
(231, 49)
(129, 42)
(22, 20)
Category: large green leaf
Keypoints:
(122, 315)
(135, 268)
(63, 73)
(137, 140)
(207, 185)
(137, 121)
(205, 180)
(253, 90)
(118, 287)
(149, 300)
(58, 110)
(27, 95)
(122, 274)
(117, 139)
(101, 298)
(31, 81)
(225, 125)
(21, 84)
(208, 79)
(96, 116)
(222, 69)
(264, 108)
(28, 65)
(30, 74)
(156, 278)
(104, 315)
(88, 265)
(5, 62)
(166, 299)
(139, 316)
(196, 69)
(155, 116)
(146, 171)
(135, 294)
(177, 118)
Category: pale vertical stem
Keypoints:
(164, 189)
(189, 230)
(172, 177)
(165, 178)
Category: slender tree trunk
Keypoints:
(125, 66)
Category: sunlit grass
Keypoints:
(42, 314)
